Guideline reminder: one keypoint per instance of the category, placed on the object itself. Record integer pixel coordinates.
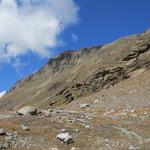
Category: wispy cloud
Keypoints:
(74, 37)
(33, 26)
(17, 64)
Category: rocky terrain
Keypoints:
(95, 98)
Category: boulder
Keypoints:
(65, 138)
(13, 134)
(28, 110)
(84, 105)
(24, 127)
(2, 132)
(87, 126)
(132, 148)
(50, 110)
(76, 130)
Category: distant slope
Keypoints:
(75, 74)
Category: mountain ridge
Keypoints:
(80, 68)
(82, 51)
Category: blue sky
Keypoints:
(93, 22)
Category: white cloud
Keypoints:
(74, 37)
(17, 64)
(33, 25)
(2, 93)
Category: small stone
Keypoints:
(84, 105)
(14, 134)
(132, 111)
(82, 117)
(24, 127)
(76, 130)
(65, 138)
(50, 110)
(1, 146)
(87, 126)
(96, 101)
(63, 130)
(2, 132)
(70, 121)
(132, 148)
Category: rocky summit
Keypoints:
(95, 98)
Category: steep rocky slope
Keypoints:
(74, 74)
(99, 95)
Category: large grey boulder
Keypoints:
(28, 110)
